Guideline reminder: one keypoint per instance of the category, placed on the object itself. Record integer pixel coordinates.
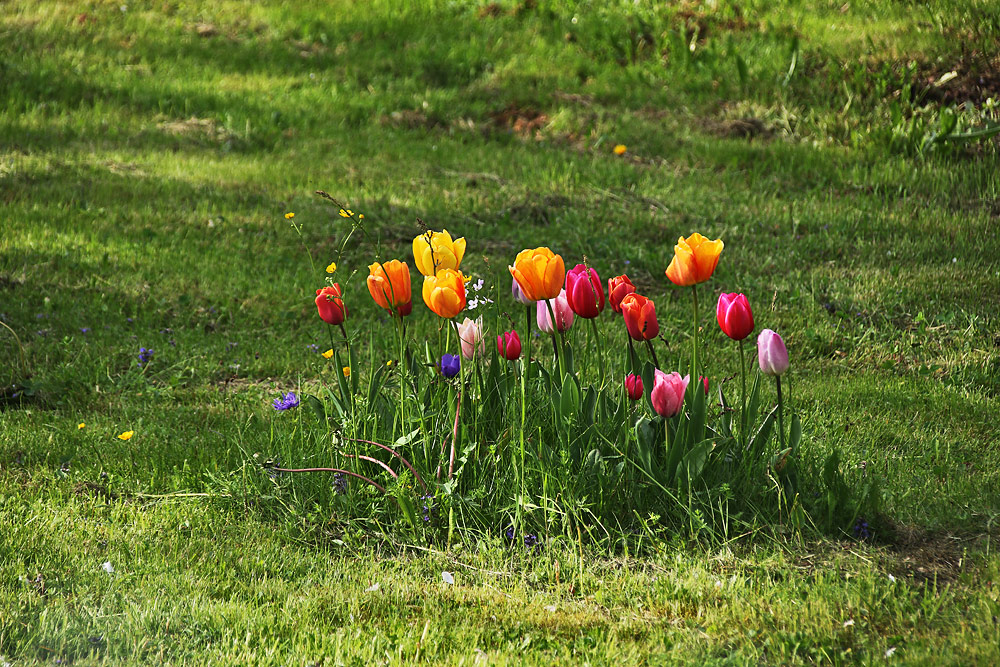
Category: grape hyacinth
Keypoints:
(145, 356)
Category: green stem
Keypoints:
(656, 362)
(694, 351)
(743, 395)
(527, 332)
(559, 357)
(781, 414)
(597, 346)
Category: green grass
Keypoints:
(144, 173)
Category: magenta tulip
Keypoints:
(704, 381)
(734, 315)
(771, 353)
(584, 291)
(668, 393)
(509, 345)
(560, 309)
(633, 385)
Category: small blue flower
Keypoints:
(85, 330)
(450, 365)
(339, 483)
(145, 356)
(286, 402)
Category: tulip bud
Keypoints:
(668, 392)
(704, 381)
(470, 334)
(449, 365)
(640, 317)
(734, 316)
(509, 345)
(330, 305)
(584, 291)
(633, 385)
(771, 353)
(618, 288)
(515, 289)
(560, 308)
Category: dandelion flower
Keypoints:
(347, 371)
(81, 425)
(620, 149)
(328, 354)
(331, 267)
(289, 216)
(126, 435)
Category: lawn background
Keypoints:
(149, 152)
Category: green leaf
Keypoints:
(569, 397)
(742, 70)
(352, 357)
(796, 433)
(406, 505)
(337, 403)
(317, 407)
(757, 444)
(691, 466)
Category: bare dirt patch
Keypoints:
(523, 121)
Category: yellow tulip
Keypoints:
(695, 259)
(435, 251)
(445, 293)
(539, 273)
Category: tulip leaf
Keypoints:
(589, 412)
(648, 376)
(569, 397)
(796, 433)
(762, 436)
(647, 435)
(337, 403)
(693, 463)
(697, 409)
(753, 404)
(345, 394)
(375, 381)
(567, 353)
(317, 407)
(406, 505)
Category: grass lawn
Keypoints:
(149, 151)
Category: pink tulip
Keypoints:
(470, 334)
(704, 381)
(633, 385)
(560, 308)
(668, 393)
(771, 353)
(509, 345)
(584, 291)
(734, 316)
(515, 289)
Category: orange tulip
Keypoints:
(389, 285)
(640, 317)
(445, 293)
(539, 273)
(695, 258)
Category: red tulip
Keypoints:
(330, 305)
(668, 393)
(704, 381)
(734, 315)
(584, 291)
(618, 288)
(509, 345)
(633, 385)
(640, 317)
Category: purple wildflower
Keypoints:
(449, 365)
(861, 530)
(85, 330)
(286, 402)
(339, 483)
(145, 356)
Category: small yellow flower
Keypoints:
(331, 267)
(289, 216)
(328, 354)
(389, 363)
(620, 149)
(347, 371)
(361, 216)
(126, 435)
(346, 213)
(81, 425)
